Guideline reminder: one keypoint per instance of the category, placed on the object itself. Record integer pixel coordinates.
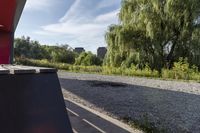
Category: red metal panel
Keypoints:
(7, 13)
(5, 45)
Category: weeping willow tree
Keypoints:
(155, 32)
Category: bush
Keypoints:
(132, 71)
(88, 59)
(24, 47)
(61, 66)
(180, 70)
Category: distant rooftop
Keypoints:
(79, 50)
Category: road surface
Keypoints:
(172, 106)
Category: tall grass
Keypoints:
(180, 70)
(60, 66)
(133, 71)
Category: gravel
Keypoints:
(171, 106)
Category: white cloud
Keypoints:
(77, 27)
(39, 4)
(106, 3)
(108, 17)
(72, 12)
(82, 24)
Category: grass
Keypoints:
(59, 66)
(180, 71)
(146, 126)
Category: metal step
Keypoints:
(18, 69)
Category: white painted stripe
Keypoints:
(72, 112)
(108, 118)
(94, 126)
(74, 130)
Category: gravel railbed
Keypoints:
(170, 105)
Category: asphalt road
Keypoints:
(172, 106)
(85, 121)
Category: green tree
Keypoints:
(160, 31)
(88, 59)
(24, 47)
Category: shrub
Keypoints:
(180, 70)
(88, 59)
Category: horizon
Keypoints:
(66, 24)
(60, 45)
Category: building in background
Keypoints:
(101, 52)
(79, 50)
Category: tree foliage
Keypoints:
(159, 32)
(24, 47)
(88, 59)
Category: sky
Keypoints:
(79, 23)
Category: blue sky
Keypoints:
(75, 22)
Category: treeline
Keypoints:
(155, 33)
(159, 38)
(24, 47)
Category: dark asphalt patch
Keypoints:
(105, 84)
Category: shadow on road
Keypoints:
(169, 110)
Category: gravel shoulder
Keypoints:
(170, 106)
